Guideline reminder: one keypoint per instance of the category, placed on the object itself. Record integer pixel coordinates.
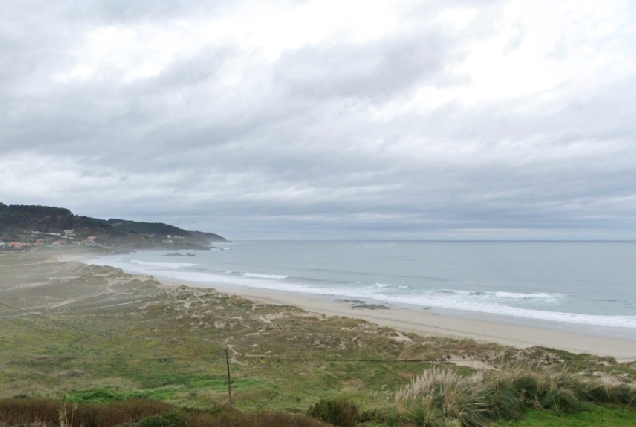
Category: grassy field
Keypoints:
(88, 334)
(590, 416)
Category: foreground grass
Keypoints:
(138, 413)
(590, 416)
(439, 396)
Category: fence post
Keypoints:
(229, 378)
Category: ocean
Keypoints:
(585, 287)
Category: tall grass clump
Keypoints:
(603, 392)
(441, 395)
(338, 412)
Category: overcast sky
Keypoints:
(311, 119)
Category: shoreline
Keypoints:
(422, 322)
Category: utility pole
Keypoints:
(229, 378)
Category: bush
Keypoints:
(27, 411)
(528, 388)
(608, 393)
(561, 400)
(503, 403)
(171, 419)
(139, 413)
(338, 412)
(265, 419)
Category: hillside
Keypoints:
(164, 230)
(48, 219)
(33, 224)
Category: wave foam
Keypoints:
(381, 285)
(163, 264)
(503, 294)
(493, 303)
(537, 295)
(264, 276)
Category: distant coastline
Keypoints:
(29, 227)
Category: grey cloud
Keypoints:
(369, 71)
(125, 12)
(296, 151)
(515, 41)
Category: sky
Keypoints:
(325, 119)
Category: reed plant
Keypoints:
(440, 395)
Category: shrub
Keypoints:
(237, 419)
(27, 411)
(599, 392)
(503, 403)
(528, 388)
(338, 412)
(561, 400)
(171, 419)
(138, 413)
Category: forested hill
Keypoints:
(159, 228)
(49, 220)
(17, 220)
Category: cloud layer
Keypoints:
(321, 119)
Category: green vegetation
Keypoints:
(96, 337)
(148, 227)
(15, 218)
(45, 225)
(487, 396)
(589, 416)
(138, 413)
(337, 412)
(163, 230)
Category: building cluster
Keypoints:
(39, 238)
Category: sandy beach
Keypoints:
(424, 323)
(427, 323)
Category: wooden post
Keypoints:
(229, 378)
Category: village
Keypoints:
(30, 239)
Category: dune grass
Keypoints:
(486, 396)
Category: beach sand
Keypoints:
(424, 323)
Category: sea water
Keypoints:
(585, 287)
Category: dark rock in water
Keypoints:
(174, 254)
(371, 306)
(189, 254)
